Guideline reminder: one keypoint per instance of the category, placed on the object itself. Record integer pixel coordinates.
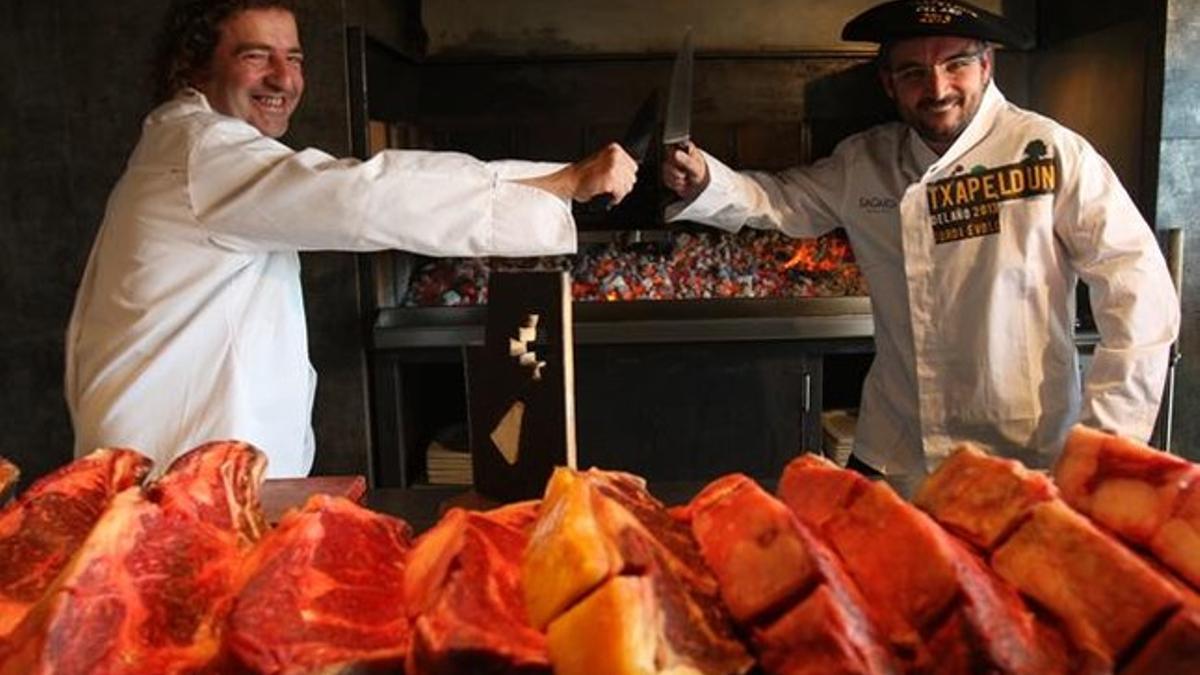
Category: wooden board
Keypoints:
(520, 386)
(280, 494)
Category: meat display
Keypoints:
(324, 591)
(620, 586)
(1117, 607)
(40, 531)
(993, 569)
(922, 584)
(149, 588)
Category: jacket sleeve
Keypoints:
(1133, 300)
(254, 193)
(802, 202)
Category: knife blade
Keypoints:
(636, 140)
(641, 130)
(677, 125)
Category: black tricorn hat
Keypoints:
(922, 18)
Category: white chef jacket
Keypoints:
(189, 323)
(974, 335)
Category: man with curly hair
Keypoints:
(189, 322)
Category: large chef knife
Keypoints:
(677, 126)
(636, 140)
(640, 132)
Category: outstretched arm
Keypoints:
(608, 171)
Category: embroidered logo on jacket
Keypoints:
(968, 206)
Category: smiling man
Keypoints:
(973, 221)
(257, 72)
(189, 322)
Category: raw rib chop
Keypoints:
(783, 585)
(619, 585)
(1175, 648)
(217, 483)
(979, 497)
(42, 529)
(324, 592)
(9, 474)
(149, 589)
(914, 575)
(1145, 496)
(1104, 594)
(463, 594)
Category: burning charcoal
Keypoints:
(690, 266)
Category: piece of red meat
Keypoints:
(218, 483)
(149, 589)
(786, 588)
(914, 575)
(463, 589)
(41, 529)
(324, 592)
(620, 585)
(1147, 497)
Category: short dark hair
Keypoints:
(189, 38)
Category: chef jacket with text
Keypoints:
(972, 259)
(189, 322)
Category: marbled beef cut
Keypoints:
(1116, 606)
(217, 483)
(785, 587)
(463, 594)
(149, 589)
(44, 526)
(916, 577)
(324, 592)
(1147, 497)
(620, 586)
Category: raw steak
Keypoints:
(1175, 648)
(9, 474)
(150, 587)
(620, 586)
(463, 594)
(981, 498)
(783, 585)
(1145, 496)
(916, 576)
(42, 529)
(217, 483)
(324, 592)
(1104, 594)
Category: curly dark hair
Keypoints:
(189, 38)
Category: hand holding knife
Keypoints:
(636, 141)
(684, 169)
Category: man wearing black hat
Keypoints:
(972, 220)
